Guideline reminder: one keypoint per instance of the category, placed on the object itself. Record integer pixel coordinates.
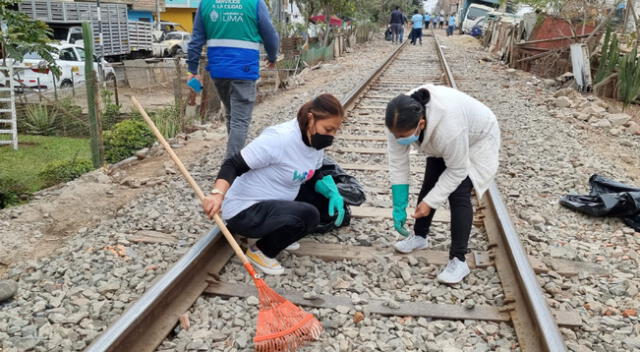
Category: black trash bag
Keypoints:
(608, 198)
(388, 34)
(350, 189)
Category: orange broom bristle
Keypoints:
(282, 326)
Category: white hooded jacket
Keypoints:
(461, 130)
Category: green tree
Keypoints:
(19, 35)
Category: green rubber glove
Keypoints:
(327, 187)
(400, 195)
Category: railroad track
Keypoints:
(360, 149)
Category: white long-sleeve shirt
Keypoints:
(461, 130)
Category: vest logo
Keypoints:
(233, 17)
(214, 16)
(303, 176)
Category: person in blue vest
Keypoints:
(233, 32)
(452, 25)
(416, 31)
(427, 20)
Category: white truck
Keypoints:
(121, 38)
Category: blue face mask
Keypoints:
(410, 139)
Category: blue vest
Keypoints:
(233, 38)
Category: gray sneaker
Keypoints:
(411, 244)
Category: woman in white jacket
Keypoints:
(461, 139)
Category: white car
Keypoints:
(33, 72)
(174, 44)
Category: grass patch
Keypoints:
(34, 153)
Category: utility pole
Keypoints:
(158, 15)
(100, 41)
(95, 126)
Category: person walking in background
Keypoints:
(233, 38)
(441, 22)
(396, 22)
(416, 31)
(451, 25)
(427, 19)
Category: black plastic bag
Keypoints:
(608, 198)
(388, 34)
(350, 189)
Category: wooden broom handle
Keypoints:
(189, 179)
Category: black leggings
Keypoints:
(279, 223)
(461, 209)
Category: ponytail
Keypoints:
(404, 112)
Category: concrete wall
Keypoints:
(183, 16)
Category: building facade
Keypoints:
(181, 11)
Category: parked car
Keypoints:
(33, 71)
(174, 44)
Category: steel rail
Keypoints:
(349, 100)
(545, 328)
(145, 324)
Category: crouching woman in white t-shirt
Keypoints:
(262, 190)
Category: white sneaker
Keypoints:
(454, 272)
(293, 247)
(268, 265)
(411, 244)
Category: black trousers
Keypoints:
(461, 209)
(279, 223)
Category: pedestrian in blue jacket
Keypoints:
(233, 32)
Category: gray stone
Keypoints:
(217, 336)
(26, 343)
(110, 286)
(618, 119)
(8, 289)
(563, 252)
(491, 329)
(342, 309)
(563, 102)
(253, 300)
(469, 304)
(392, 304)
(142, 153)
(602, 123)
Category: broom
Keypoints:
(281, 326)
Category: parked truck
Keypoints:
(473, 10)
(121, 38)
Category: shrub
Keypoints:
(111, 112)
(64, 171)
(72, 122)
(12, 192)
(168, 121)
(125, 138)
(40, 120)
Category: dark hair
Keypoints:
(415, 11)
(404, 112)
(324, 106)
(397, 7)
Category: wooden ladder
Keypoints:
(8, 120)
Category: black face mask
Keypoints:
(321, 141)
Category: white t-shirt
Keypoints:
(280, 162)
